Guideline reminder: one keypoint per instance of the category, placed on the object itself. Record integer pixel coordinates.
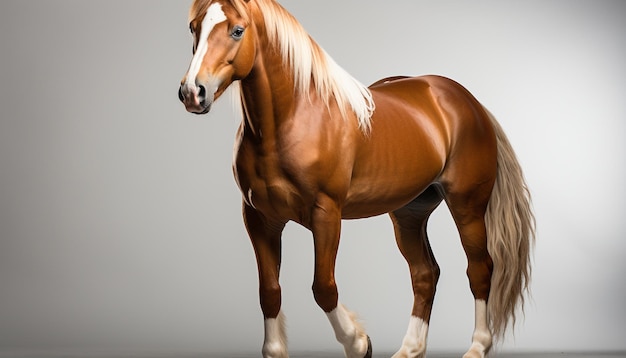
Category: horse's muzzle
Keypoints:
(195, 98)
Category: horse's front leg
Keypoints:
(326, 228)
(266, 240)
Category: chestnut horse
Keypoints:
(315, 147)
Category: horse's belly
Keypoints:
(376, 196)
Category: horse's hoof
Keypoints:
(368, 354)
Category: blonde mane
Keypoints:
(309, 62)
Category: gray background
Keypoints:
(120, 224)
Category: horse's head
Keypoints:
(223, 51)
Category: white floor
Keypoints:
(31, 354)
(459, 355)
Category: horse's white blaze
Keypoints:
(214, 16)
(482, 338)
(414, 342)
(275, 344)
(348, 332)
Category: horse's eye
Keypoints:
(237, 32)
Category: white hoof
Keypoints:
(414, 342)
(349, 333)
(275, 344)
(474, 353)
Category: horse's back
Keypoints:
(423, 92)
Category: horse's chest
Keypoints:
(266, 187)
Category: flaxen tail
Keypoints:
(510, 234)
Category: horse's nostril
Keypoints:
(180, 94)
(201, 92)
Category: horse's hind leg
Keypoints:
(410, 228)
(468, 206)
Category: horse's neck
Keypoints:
(268, 95)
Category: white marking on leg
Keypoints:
(250, 198)
(348, 332)
(214, 16)
(482, 338)
(275, 343)
(414, 342)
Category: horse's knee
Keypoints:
(425, 280)
(424, 288)
(270, 299)
(326, 295)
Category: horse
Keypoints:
(315, 146)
